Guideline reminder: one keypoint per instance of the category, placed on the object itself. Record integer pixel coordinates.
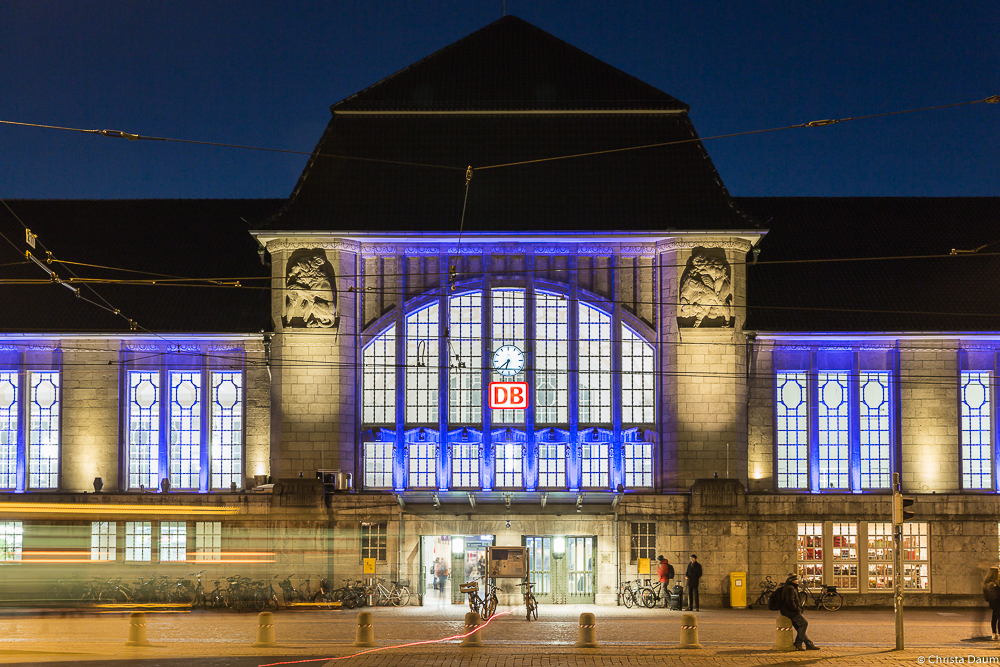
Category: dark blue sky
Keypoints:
(266, 73)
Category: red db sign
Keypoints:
(509, 395)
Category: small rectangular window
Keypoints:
(810, 553)
(423, 465)
(643, 541)
(552, 466)
(845, 556)
(373, 541)
(138, 541)
(880, 556)
(11, 539)
(208, 540)
(173, 541)
(509, 465)
(378, 464)
(103, 540)
(595, 462)
(465, 465)
(916, 556)
(638, 465)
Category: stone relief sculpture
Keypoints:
(309, 298)
(706, 292)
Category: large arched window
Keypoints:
(582, 430)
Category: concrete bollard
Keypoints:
(689, 632)
(784, 634)
(588, 632)
(366, 630)
(137, 629)
(265, 630)
(472, 622)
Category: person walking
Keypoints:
(791, 607)
(665, 571)
(692, 577)
(991, 591)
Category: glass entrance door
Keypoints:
(562, 568)
(580, 569)
(540, 567)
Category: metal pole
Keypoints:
(897, 569)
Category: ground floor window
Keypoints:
(845, 556)
(103, 540)
(138, 541)
(173, 541)
(810, 557)
(916, 556)
(373, 541)
(11, 539)
(643, 541)
(208, 540)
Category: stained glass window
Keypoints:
(976, 431)
(834, 442)
(143, 429)
(43, 431)
(792, 431)
(185, 429)
(227, 430)
(8, 429)
(875, 444)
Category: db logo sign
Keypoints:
(509, 395)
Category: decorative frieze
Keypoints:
(349, 246)
(553, 250)
(465, 250)
(422, 250)
(730, 243)
(225, 347)
(379, 249)
(511, 249)
(595, 250)
(645, 249)
(142, 347)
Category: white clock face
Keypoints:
(508, 360)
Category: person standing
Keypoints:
(434, 571)
(791, 607)
(991, 591)
(665, 571)
(692, 577)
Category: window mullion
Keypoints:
(163, 451)
(573, 468)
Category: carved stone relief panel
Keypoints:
(706, 290)
(310, 299)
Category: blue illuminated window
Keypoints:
(465, 354)
(552, 465)
(595, 464)
(551, 359)
(595, 366)
(422, 364)
(185, 429)
(834, 432)
(508, 329)
(638, 379)
(876, 457)
(976, 430)
(465, 465)
(227, 430)
(8, 429)
(379, 379)
(43, 431)
(638, 465)
(378, 464)
(509, 465)
(423, 465)
(792, 431)
(143, 429)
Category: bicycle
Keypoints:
(530, 603)
(650, 594)
(484, 606)
(627, 595)
(827, 598)
(767, 587)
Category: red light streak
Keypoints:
(385, 648)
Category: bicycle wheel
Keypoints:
(628, 598)
(474, 602)
(489, 606)
(401, 596)
(648, 598)
(833, 601)
(112, 596)
(259, 601)
(531, 605)
(803, 599)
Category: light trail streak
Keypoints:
(386, 648)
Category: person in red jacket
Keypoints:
(665, 571)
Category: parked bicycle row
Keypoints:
(645, 594)
(486, 606)
(826, 597)
(234, 592)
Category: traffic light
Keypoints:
(900, 513)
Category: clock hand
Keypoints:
(505, 364)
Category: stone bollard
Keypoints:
(366, 630)
(265, 630)
(137, 629)
(588, 632)
(689, 632)
(784, 635)
(472, 623)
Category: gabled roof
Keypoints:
(196, 238)
(875, 264)
(509, 64)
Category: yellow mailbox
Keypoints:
(738, 590)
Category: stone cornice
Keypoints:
(731, 243)
(349, 246)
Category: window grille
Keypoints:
(422, 331)
(143, 428)
(552, 466)
(103, 540)
(509, 465)
(595, 463)
(834, 443)
(551, 359)
(208, 540)
(465, 465)
(976, 430)
(11, 540)
(378, 464)
(185, 429)
(643, 543)
(465, 376)
(638, 465)
(423, 465)
(8, 429)
(595, 366)
(43, 431)
(792, 431)
(880, 556)
(227, 430)
(638, 380)
(173, 541)
(845, 556)
(138, 541)
(379, 379)
(373, 541)
(508, 329)
(876, 461)
(916, 556)
(810, 553)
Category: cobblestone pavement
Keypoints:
(627, 637)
